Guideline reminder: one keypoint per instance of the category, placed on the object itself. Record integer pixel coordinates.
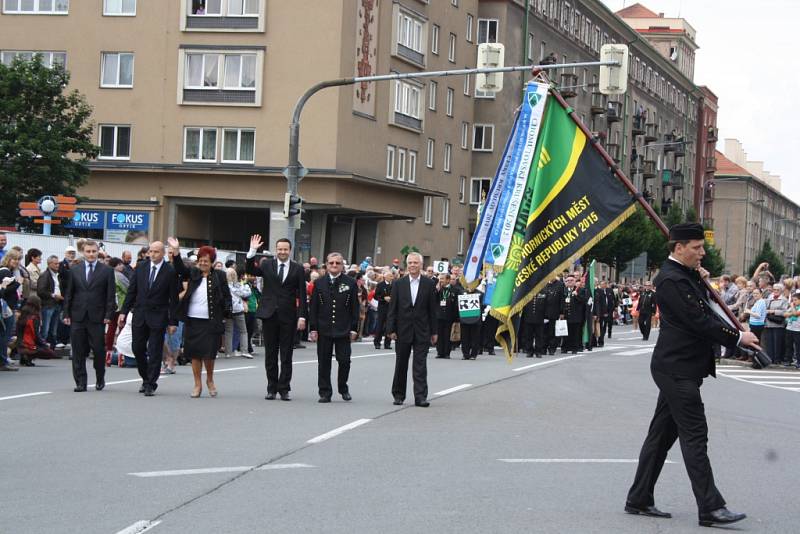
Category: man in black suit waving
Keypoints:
(153, 297)
(89, 304)
(413, 309)
(333, 323)
(282, 311)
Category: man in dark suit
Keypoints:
(383, 294)
(682, 357)
(413, 312)
(553, 310)
(282, 311)
(89, 305)
(647, 307)
(604, 306)
(153, 297)
(534, 317)
(575, 313)
(333, 323)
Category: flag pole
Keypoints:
(617, 170)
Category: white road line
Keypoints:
(586, 353)
(452, 390)
(352, 357)
(759, 376)
(212, 470)
(761, 372)
(776, 383)
(634, 352)
(572, 461)
(26, 395)
(336, 431)
(233, 369)
(139, 527)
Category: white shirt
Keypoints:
(198, 304)
(56, 285)
(414, 283)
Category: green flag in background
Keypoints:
(575, 201)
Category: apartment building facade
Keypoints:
(193, 100)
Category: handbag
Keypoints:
(561, 328)
(777, 319)
(760, 359)
(455, 332)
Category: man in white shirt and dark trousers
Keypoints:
(413, 309)
(282, 311)
(153, 297)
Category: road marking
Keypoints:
(212, 470)
(776, 383)
(647, 350)
(352, 357)
(336, 431)
(548, 362)
(139, 527)
(233, 369)
(759, 376)
(452, 390)
(572, 461)
(26, 395)
(762, 372)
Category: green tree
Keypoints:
(45, 135)
(766, 254)
(657, 242)
(713, 261)
(623, 244)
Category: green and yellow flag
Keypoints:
(573, 200)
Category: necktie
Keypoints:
(152, 277)
(91, 272)
(280, 272)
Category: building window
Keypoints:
(401, 164)
(479, 188)
(484, 94)
(228, 71)
(36, 7)
(466, 84)
(242, 8)
(48, 59)
(487, 30)
(230, 8)
(390, 161)
(531, 46)
(432, 90)
(542, 51)
(119, 8)
(407, 99)
(427, 210)
(409, 32)
(238, 145)
(470, 23)
(584, 82)
(454, 3)
(115, 142)
(460, 241)
(448, 155)
(200, 144)
(462, 189)
(412, 166)
(451, 48)
(483, 137)
(445, 212)
(117, 70)
(465, 135)
(430, 154)
(435, 39)
(449, 101)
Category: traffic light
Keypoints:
(292, 205)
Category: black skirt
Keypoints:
(200, 341)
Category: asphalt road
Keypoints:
(535, 445)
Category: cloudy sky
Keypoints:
(747, 58)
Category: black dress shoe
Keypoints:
(491, 352)
(100, 385)
(398, 402)
(422, 404)
(141, 388)
(148, 391)
(538, 354)
(377, 347)
(387, 347)
(285, 396)
(720, 516)
(529, 355)
(299, 346)
(270, 396)
(651, 511)
(79, 389)
(323, 400)
(346, 396)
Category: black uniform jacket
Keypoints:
(220, 302)
(534, 312)
(647, 303)
(554, 305)
(689, 326)
(575, 304)
(334, 306)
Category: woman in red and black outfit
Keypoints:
(30, 344)
(203, 309)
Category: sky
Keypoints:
(746, 58)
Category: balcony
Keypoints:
(712, 135)
(637, 163)
(599, 103)
(568, 86)
(680, 147)
(711, 164)
(638, 125)
(650, 132)
(613, 150)
(649, 169)
(669, 143)
(613, 111)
